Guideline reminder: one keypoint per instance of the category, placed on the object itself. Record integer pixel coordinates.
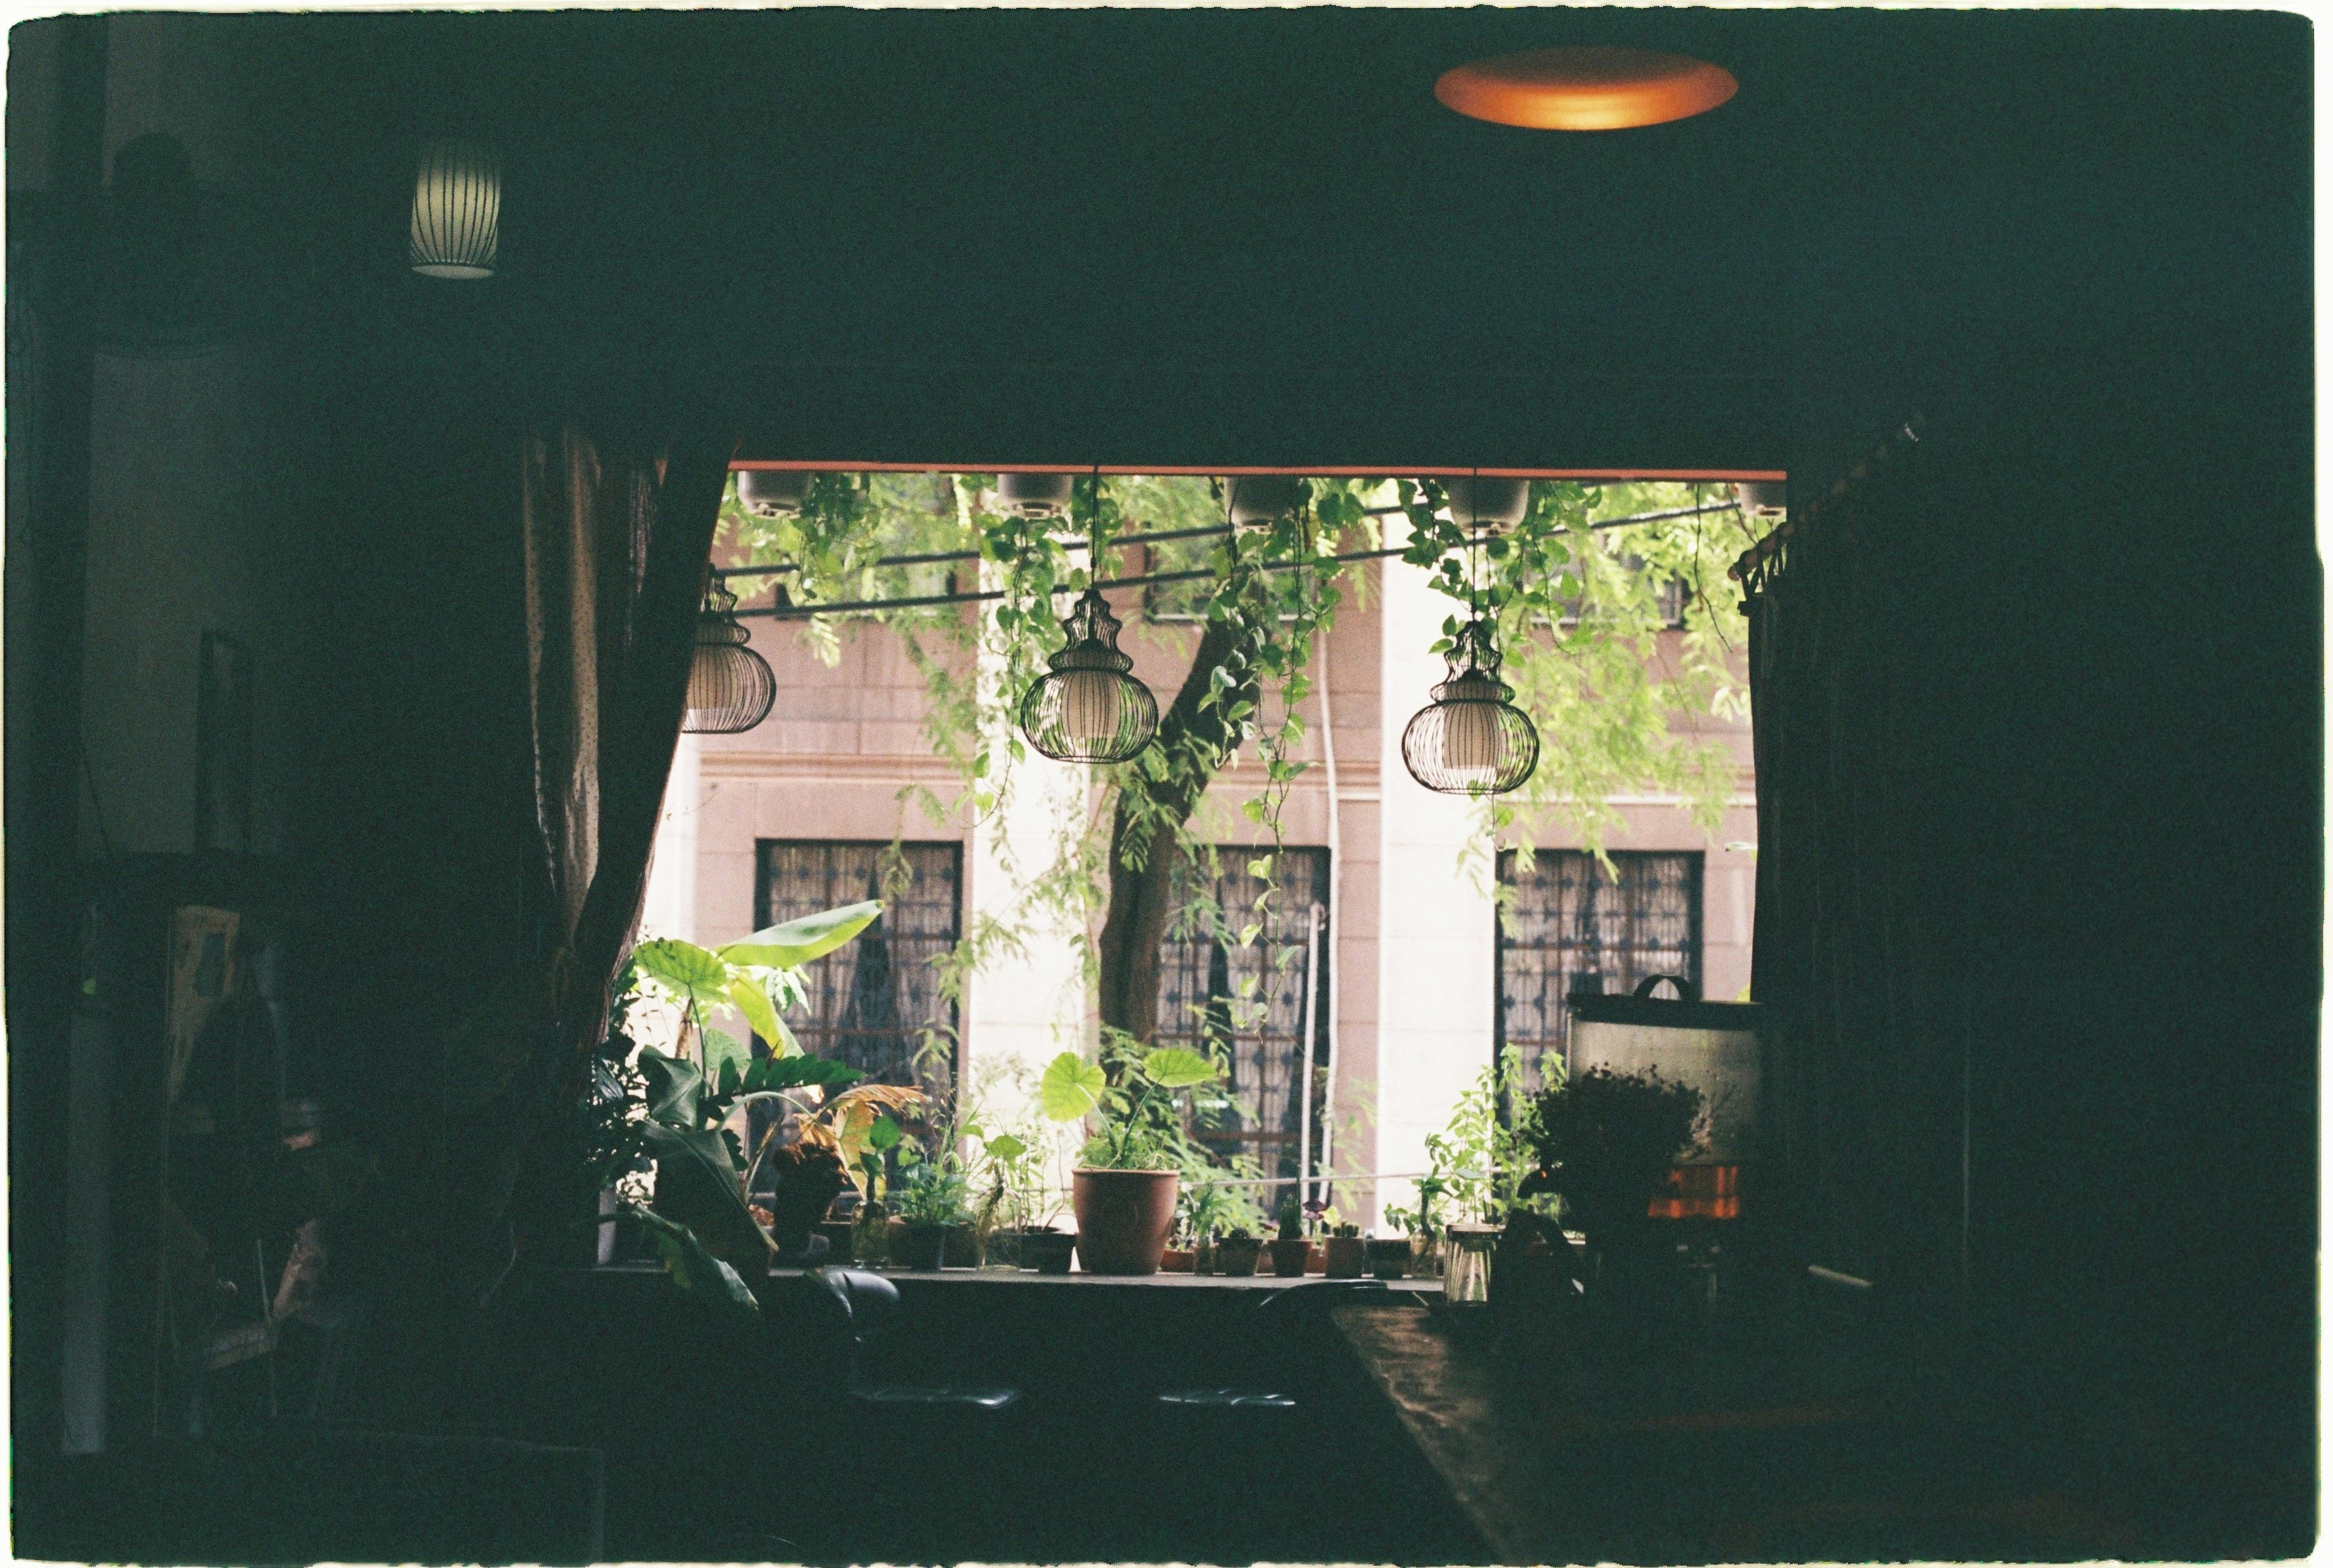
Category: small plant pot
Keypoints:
(1202, 1259)
(1388, 1256)
(920, 1247)
(1236, 1255)
(1316, 1258)
(1262, 498)
(1036, 494)
(1178, 1260)
(1495, 502)
(1046, 1251)
(838, 1239)
(1288, 1258)
(1124, 1218)
(1424, 1256)
(1348, 1258)
(773, 492)
(963, 1247)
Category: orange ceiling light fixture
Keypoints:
(1594, 88)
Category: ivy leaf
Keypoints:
(795, 942)
(1070, 1087)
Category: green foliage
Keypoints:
(1609, 1138)
(1478, 1159)
(1582, 617)
(678, 1111)
(1140, 1107)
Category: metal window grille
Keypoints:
(1204, 967)
(875, 1003)
(1566, 925)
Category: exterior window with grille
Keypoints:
(1566, 925)
(1255, 1003)
(875, 1003)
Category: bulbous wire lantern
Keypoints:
(730, 686)
(1088, 709)
(1471, 739)
(457, 204)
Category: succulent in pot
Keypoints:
(1124, 1188)
(1291, 1249)
(1348, 1252)
(1236, 1254)
(1387, 1255)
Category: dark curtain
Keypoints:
(1862, 878)
(619, 521)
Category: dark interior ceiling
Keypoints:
(1273, 197)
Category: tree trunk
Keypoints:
(1141, 899)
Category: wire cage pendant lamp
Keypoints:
(730, 686)
(457, 204)
(1471, 739)
(1087, 708)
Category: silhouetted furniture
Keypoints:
(304, 1494)
(1279, 1365)
(858, 1305)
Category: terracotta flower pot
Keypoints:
(1178, 1259)
(1235, 1255)
(1349, 1256)
(1123, 1219)
(1288, 1258)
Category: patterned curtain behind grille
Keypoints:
(877, 1002)
(1203, 966)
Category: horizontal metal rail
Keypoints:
(915, 601)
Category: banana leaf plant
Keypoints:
(700, 1221)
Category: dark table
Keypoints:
(1562, 1451)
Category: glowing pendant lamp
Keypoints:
(1088, 709)
(1586, 88)
(457, 204)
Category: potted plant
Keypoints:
(1348, 1254)
(1607, 1142)
(1180, 1259)
(1237, 1252)
(930, 1206)
(1290, 1248)
(1123, 1189)
(1386, 1255)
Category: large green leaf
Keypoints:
(675, 1088)
(1174, 1067)
(697, 1186)
(725, 1059)
(753, 999)
(796, 943)
(1005, 1146)
(694, 1270)
(1070, 1087)
(798, 1072)
(698, 977)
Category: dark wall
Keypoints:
(2093, 280)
